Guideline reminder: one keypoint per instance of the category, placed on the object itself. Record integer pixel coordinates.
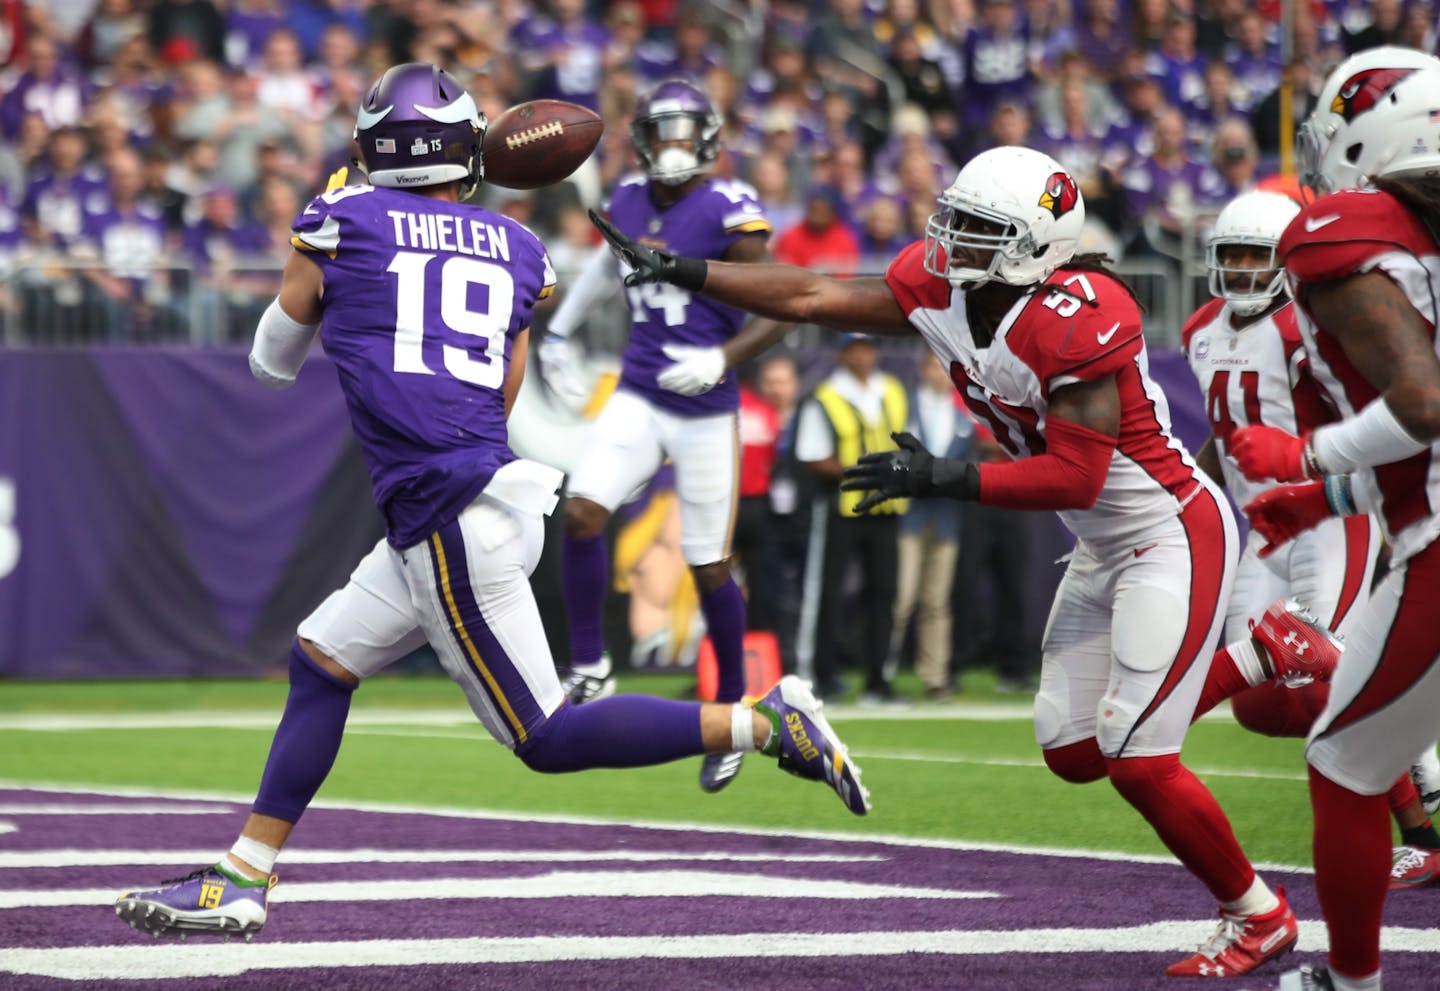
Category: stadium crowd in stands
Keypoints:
(152, 154)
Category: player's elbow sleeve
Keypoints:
(280, 347)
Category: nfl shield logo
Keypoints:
(386, 146)
(419, 147)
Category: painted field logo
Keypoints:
(796, 725)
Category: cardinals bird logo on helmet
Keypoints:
(1060, 194)
(1362, 91)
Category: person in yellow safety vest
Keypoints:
(850, 414)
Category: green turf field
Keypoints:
(975, 776)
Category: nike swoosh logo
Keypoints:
(364, 119)
(1105, 337)
(1148, 547)
(1313, 224)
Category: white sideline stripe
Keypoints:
(672, 825)
(555, 884)
(8, 827)
(108, 858)
(211, 958)
(110, 809)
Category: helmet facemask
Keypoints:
(1248, 288)
(956, 230)
(671, 146)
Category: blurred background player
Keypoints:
(1046, 347)
(674, 398)
(430, 381)
(1245, 349)
(1362, 259)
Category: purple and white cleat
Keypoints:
(213, 900)
(807, 746)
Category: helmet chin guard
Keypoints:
(676, 132)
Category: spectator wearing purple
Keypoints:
(995, 61)
(883, 231)
(845, 171)
(1177, 64)
(136, 87)
(309, 19)
(1077, 141)
(1047, 23)
(248, 23)
(12, 237)
(58, 199)
(625, 25)
(1130, 138)
(910, 134)
(58, 92)
(561, 54)
(128, 239)
(1256, 62)
(1163, 191)
(218, 247)
(690, 54)
(1102, 37)
(1214, 106)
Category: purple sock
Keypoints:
(306, 741)
(584, 566)
(621, 731)
(724, 611)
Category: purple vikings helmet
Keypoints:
(675, 111)
(419, 127)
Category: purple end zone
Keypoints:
(1037, 893)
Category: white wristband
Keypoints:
(260, 856)
(1373, 437)
(742, 728)
(281, 344)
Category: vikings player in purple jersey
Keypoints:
(673, 398)
(424, 304)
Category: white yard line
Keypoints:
(124, 964)
(300, 855)
(455, 812)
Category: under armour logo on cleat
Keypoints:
(1209, 970)
(1295, 643)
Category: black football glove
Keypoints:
(910, 470)
(650, 264)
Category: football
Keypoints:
(539, 143)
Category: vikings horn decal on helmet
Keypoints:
(1376, 115)
(419, 127)
(1254, 220)
(1060, 194)
(1013, 215)
(676, 132)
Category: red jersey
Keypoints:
(1078, 326)
(1349, 233)
(759, 432)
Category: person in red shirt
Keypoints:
(822, 240)
(759, 432)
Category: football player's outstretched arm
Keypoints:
(757, 336)
(781, 292)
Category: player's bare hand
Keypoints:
(1264, 453)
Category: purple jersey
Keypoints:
(423, 300)
(131, 244)
(704, 224)
(61, 205)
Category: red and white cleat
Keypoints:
(1414, 868)
(1300, 648)
(1242, 943)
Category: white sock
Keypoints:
(742, 729)
(1257, 900)
(600, 669)
(1247, 662)
(1371, 983)
(254, 855)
